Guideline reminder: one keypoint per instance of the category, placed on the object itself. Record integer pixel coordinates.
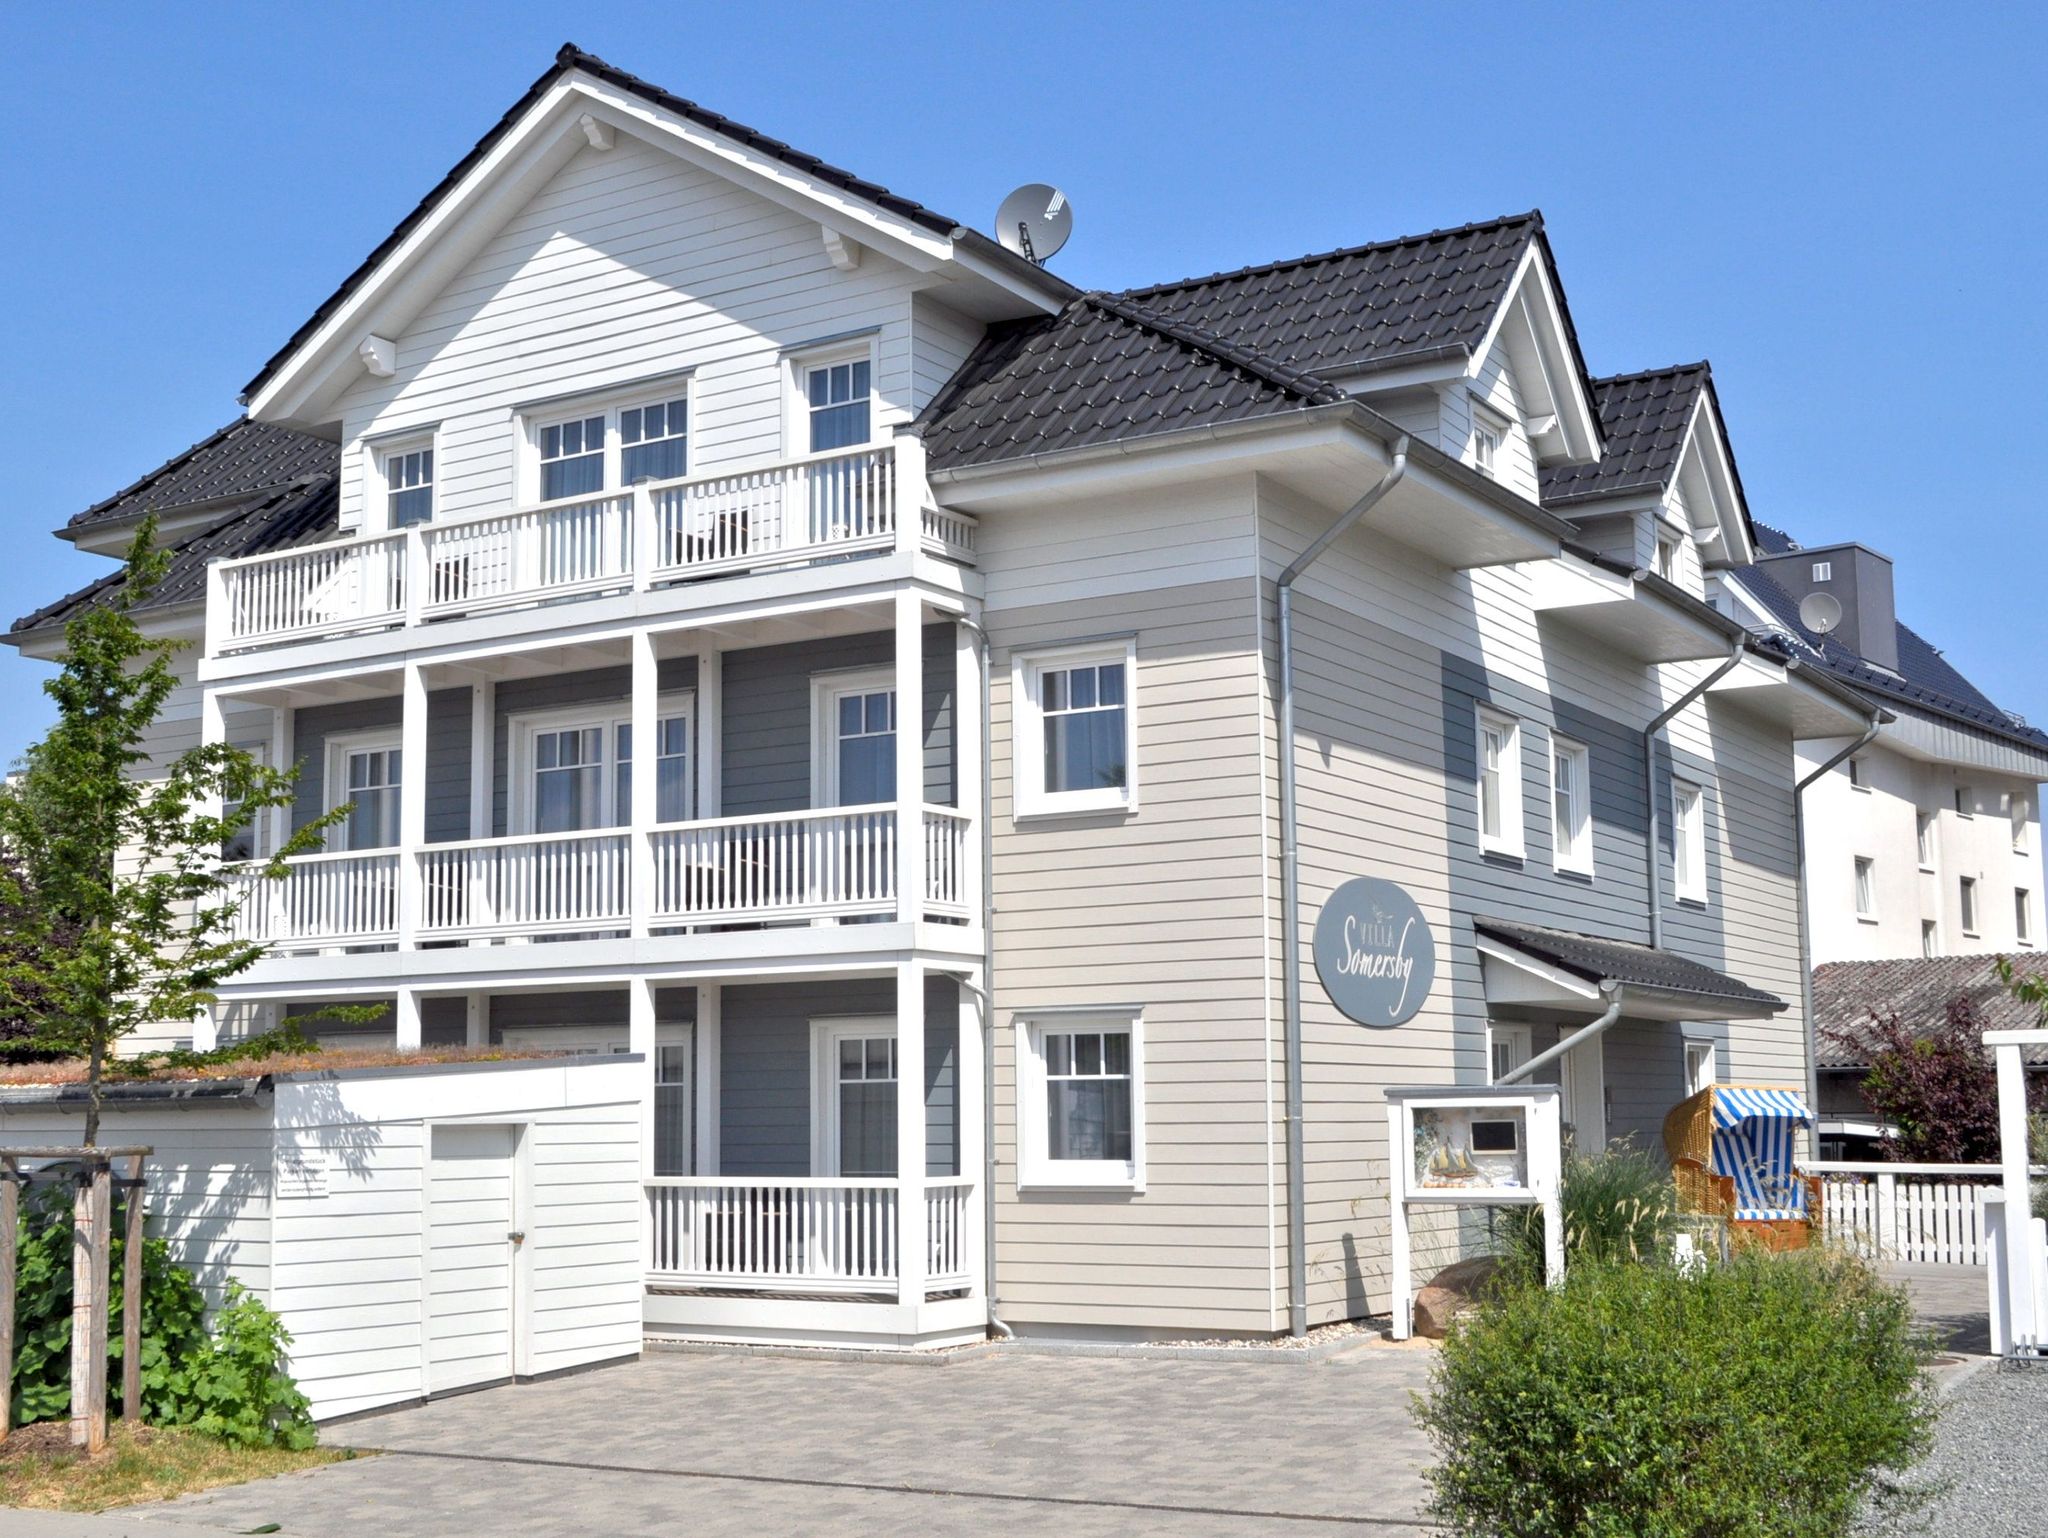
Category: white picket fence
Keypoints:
(1927, 1214)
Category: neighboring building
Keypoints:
(1925, 841)
(1918, 991)
(716, 582)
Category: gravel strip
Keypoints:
(1990, 1448)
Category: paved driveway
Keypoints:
(1006, 1442)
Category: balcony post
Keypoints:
(912, 1255)
(282, 720)
(406, 1019)
(640, 1034)
(415, 573)
(970, 1124)
(412, 801)
(910, 893)
(216, 608)
(968, 748)
(908, 470)
(710, 731)
(640, 537)
(710, 1007)
(213, 730)
(641, 816)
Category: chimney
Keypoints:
(1861, 581)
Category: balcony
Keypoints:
(793, 867)
(823, 507)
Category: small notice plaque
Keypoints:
(301, 1176)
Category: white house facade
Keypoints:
(759, 624)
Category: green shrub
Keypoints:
(232, 1384)
(1618, 1205)
(1761, 1399)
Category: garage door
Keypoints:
(471, 1213)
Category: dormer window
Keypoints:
(1667, 557)
(1489, 432)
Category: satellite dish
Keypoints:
(1820, 612)
(1035, 222)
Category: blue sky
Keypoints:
(1841, 207)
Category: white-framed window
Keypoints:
(675, 1100)
(1930, 937)
(1823, 571)
(252, 840)
(572, 769)
(1076, 729)
(364, 772)
(832, 398)
(572, 453)
(1689, 841)
(606, 441)
(853, 737)
(1500, 783)
(2022, 813)
(2023, 915)
(1507, 1048)
(406, 472)
(1571, 816)
(1854, 767)
(1923, 829)
(1702, 1066)
(1966, 801)
(654, 441)
(1667, 556)
(1489, 436)
(853, 1097)
(1081, 1100)
(1866, 889)
(1966, 909)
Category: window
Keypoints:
(837, 402)
(1866, 889)
(854, 762)
(1507, 1048)
(1500, 784)
(854, 1098)
(572, 458)
(1702, 1066)
(1081, 1104)
(1924, 829)
(675, 1104)
(671, 769)
(1930, 937)
(408, 486)
(1486, 442)
(1571, 823)
(364, 773)
(1667, 557)
(2023, 915)
(1968, 909)
(573, 769)
(1076, 730)
(2022, 813)
(1823, 571)
(1966, 802)
(568, 779)
(1856, 780)
(1688, 841)
(654, 442)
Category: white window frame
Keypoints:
(379, 452)
(1823, 571)
(827, 1031)
(1489, 438)
(826, 689)
(2021, 810)
(1036, 1169)
(1930, 937)
(1700, 1051)
(524, 727)
(1509, 841)
(1666, 556)
(1577, 854)
(2023, 915)
(530, 420)
(1967, 904)
(1966, 801)
(1505, 1037)
(796, 411)
(334, 787)
(1926, 839)
(1853, 767)
(1688, 841)
(1864, 878)
(1029, 797)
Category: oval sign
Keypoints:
(1375, 952)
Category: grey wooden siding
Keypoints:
(604, 1008)
(597, 687)
(765, 1069)
(447, 755)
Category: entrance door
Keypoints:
(472, 1212)
(1585, 1095)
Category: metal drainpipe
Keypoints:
(1799, 859)
(1578, 1038)
(1290, 891)
(1651, 861)
(984, 997)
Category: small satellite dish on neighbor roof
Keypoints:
(1035, 222)
(1820, 612)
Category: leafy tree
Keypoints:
(21, 944)
(123, 912)
(1938, 1088)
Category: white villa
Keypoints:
(764, 626)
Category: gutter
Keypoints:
(1290, 889)
(1869, 736)
(1585, 1033)
(1651, 861)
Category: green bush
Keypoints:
(1761, 1399)
(232, 1385)
(1618, 1205)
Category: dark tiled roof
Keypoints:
(1925, 679)
(1103, 369)
(1363, 306)
(298, 515)
(570, 57)
(1918, 990)
(244, 460)
(1641, 966)
(1644, 418)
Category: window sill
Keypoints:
(1928, 870)
(1503, 852)
(1042, 812)
(1689, 900)
(1575, 872)
(1049, 1182)
(1866, 918)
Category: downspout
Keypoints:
(1799, 858)
(1651, 861)
(1290, 891)
(1578, 1038)
(983, 998)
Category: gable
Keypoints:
(1531, 330)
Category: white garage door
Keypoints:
(471, 1213)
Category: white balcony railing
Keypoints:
(772, 1234)
(789, 865)
(321, 901)
(948, 1209)
(543, 883)
(946, 857)
(820, 505)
